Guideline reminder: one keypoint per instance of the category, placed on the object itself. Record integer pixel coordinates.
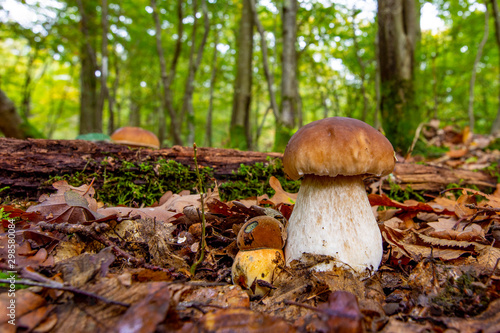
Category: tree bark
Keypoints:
(470, 109)
(10, 121)
(167, 78)
(285, 124)
(213, 78)
(194, 62)
(104, 93)
(25, 165)
(362, 67)
(398, 31)
(240, 131)
(90, 117)
(495, 128)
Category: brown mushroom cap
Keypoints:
(135, 136)
(261, 232)
(338, 146)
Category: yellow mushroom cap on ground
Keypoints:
(258, 264)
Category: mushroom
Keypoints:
(135, 137)
(260, 241)
(332, 215)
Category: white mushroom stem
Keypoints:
(332, 216)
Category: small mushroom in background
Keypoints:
(332, 215)
(260, 240)
(135, 137)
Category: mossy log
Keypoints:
(26, 165)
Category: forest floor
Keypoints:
(72, 264)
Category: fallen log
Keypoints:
(25, 165)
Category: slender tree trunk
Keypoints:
(285, 124)
(10, 121)
(195, 57)
(114, 114)
(135, 98)
(239, 130)
(213, 77)
(472, 83)
(167, 78)
(26, 103)
(495, 128)
(398, 31)
(376, 116)
(104, 93)
(90, 117)
(362, 72)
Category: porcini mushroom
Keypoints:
(135, 137)
(332, 215)
(260, 241)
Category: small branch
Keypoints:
(60, 286)
(484, 209)
(203, 222)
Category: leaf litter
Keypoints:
(94, 268)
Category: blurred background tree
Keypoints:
(219, 73)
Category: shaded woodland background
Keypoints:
(196, 70)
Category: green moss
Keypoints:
(139, 183)
(253, 180)
(144, 183)
(399, 194)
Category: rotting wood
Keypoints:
(26, 164)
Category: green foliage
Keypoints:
(3, 215)
(40, 66)
(494, 170)
(5, 276)
(495, 144)
(429, 151)
(251, 181)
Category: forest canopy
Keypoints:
(196, 70)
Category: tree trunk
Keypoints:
(213, 77)
(167, 78)
(398, 30)
(104, 93)
(194, 62)
(470, 109)
(90, 117)
(285, 124)
(495, 128)
(362, 67)
(240, 127)
(10, 121)
(376, 115)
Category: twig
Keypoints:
(487, 209)
(200, 188)
(60, 286)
